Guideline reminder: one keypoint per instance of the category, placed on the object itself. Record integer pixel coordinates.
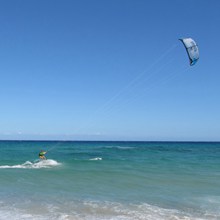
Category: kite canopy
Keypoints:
(192, 49)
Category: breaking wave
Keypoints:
(96, 158)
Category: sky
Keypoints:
(109, 70)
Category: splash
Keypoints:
(33, 165)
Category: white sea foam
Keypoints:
(33, 165)
(118, 211)
(90, 210)
(96, 158)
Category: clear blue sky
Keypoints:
(109, 70)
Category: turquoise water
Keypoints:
(110, 180)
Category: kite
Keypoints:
(191, 49)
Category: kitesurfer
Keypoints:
(42, 155)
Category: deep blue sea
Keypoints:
(109, 180)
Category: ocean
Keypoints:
(109, 180)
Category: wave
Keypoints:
(99, 211)
(119, 147)
(33, 165)
(96, 158)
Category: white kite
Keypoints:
(192, 49)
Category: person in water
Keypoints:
(42, 155)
